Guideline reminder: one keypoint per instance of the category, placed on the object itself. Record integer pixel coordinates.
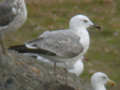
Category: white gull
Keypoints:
(66, 46)
(99, 80)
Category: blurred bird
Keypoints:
(13, 14)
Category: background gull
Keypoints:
(75, 66)
(61, 45)
(99, 80)
(13, 14)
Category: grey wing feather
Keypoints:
(6, 14)
(63, 44)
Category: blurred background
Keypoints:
(104, 52)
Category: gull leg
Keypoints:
(2, 44)
(55, 71)
(66, 74)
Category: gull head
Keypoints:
(16, 3)
(11, 1)
(81, 21)
(99, 80)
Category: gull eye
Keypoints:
(34, 45)
(103, 77)
(85, 20)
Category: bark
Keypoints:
(18, 72)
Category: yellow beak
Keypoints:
(110, 82)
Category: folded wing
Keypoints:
(62, 43)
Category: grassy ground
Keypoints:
(104, 51)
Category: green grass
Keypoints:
(104, 51)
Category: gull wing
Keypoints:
(63, 43)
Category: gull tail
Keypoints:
(20, 49)
(24, 49)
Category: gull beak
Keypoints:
(110, 82)
(97, 26)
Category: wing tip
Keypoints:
(30, 46)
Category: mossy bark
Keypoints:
(18, 72)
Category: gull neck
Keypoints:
(80, 31)
(98, 87)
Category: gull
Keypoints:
(99, 80)
(75, 67)
(13, 14)
(62, 46)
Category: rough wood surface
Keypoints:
(18, 72)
